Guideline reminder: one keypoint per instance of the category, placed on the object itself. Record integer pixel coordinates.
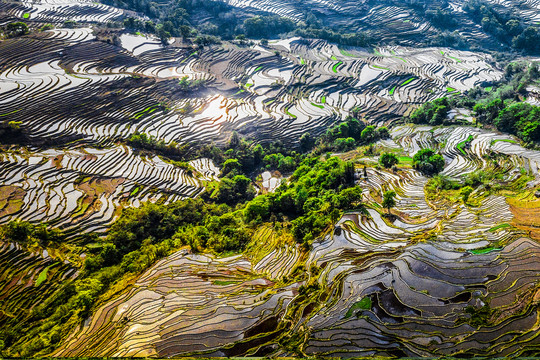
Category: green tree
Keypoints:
(389, 200)
(388, 160)
(465, 193)
(428, 162)
(368, 134)
(18, 28)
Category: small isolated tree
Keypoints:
(18, 28)
(465, 193)
(389, 200)
(388, 160)
(428, 162)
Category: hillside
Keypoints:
(269, 178)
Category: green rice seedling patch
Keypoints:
(290, 114)
(380, 67)
(377, 53)
(26, 16)
(333, 57)
(135, 191)
(345, 53)
(42, 276)
(335, 67)
(391, 92)
(318, 105)
(405, 159)
(485, 250)
(500, 226)
(460, 145)
(442, 52)
(138, 33)
(148, 110)
(503, 140)
(488, 89)
(364, 304)
(248, 85)
(402, 59)
(258, 69)
(450, 89)
(302, 61)
(407, 21)
(323, 99)
(408, 81)
(455, 58)
(11, 112)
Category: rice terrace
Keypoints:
(269, 178)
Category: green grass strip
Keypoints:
(484, 250)
(504, 140)
(460, 145)
(364, 304)
(317, 105)
(323, 99)
(391, 92)
(26, 15)
(450, 89)
(377, 53)
(11, 112)
(408, 81)
(455, 58)
(42, 276)
(289, 113)
(135, 191)
(346, 53)
(500, 226)
(405, 159)
(379, 67)
(335, 67)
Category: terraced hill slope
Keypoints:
(404, 287)
(73, 88)
(443, 274)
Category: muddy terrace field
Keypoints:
(439, 276)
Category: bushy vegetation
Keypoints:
(428, 161)
(314, 198)
(348, 135)
(388, 160)
(15, 29)
(267, 26)
(504, 25)
(144, 142)
(433, 113)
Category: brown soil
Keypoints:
(527, 218)
(10, 199)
